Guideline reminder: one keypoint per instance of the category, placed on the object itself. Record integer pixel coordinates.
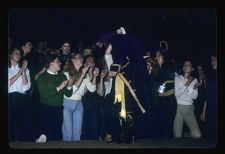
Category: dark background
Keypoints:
(190, 32)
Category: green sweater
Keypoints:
(47, 84)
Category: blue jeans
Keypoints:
(72, 120)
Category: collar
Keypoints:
(50, 72)
(17, 66)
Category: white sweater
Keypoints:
(185, 95)
(84, 86)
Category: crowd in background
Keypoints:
(60, 94)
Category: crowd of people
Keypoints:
(111, 91)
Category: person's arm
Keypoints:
(80, 80)
(26, 80)
(108, 50)
(203, 114)
(40, 72)
(90, 86)
(108, 56)
(191, 91)
(100, 90)
(24, 77)
(14, 78)
(69, 90)
(179, 87)
(47, 89)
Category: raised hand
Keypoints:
(197, 85)
(71, 81)
(85, 69)
(202, 117)
(24, 65)
(103, 73)
(63, 84)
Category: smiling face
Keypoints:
(187, 68)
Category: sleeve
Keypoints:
(9, 77)
(179, 88)
(91, 87)
(68, 91)
(192, 93)
(46, 90)
(28, 85)
(109, 60)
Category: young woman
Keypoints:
(18, 84)
(186, 91)
(73, 107)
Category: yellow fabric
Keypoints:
(131, 91)
(119, 96)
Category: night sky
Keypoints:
(189, 32)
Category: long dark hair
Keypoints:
(71, 69)
(10, 53)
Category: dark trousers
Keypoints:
(20, 127)
(166, 117)
(101, 120)
(50, 122)
(90, 125)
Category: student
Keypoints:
(52, 86)
(18, 84)
(186, 91)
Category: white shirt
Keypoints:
(84, 86)
(18, 86)
(185, 95)
(108, 85)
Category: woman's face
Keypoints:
(187, 68)
(15, 55)
(77, 60)
(90, 62)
